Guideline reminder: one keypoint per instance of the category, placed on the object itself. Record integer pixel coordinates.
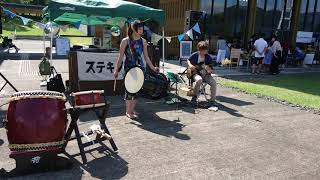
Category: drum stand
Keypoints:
(101, 113)
(7, 82)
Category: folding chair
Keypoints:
(235, 55)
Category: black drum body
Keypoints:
(155, 86)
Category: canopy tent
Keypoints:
(97, 12)
(90, 20)
(111, 8)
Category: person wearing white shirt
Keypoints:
(260, 46)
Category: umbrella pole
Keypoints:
(163, 49)
(44, 42)
(51, 37)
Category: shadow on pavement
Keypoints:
(2, 117)
(234, 112)
(233, 101)
(117, 108)
(153, 123)
(110, 166)
(59, 164)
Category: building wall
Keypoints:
(34, 10)
(175, 19)
(231, 18)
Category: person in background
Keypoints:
(267, 59)
(277, 56)
(299, 55)
(228, 51)
(252, 39)
(260, 46)
(221, 47)
(236, 44)
(7, 43)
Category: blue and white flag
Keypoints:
(40, 25)
(24, 20)
(190, 34)
(181, 36)
(169, 39)
(155, 38)
(77, 24)
(8, 12)
(196, 28)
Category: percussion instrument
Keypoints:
(155, 85)
(88, 99)
(36, 120)
(134, 79)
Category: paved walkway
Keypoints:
(248, 138)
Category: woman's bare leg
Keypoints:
(129, 107)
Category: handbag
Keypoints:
(55, 82)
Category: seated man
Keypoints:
(7, 43)
(199, 65)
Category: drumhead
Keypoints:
(133, 80)
(36, 94)
(88, 92)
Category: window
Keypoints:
(260, 14)
(317, 18)
(269, 17)
(241, 18)
(218, 17)
(309, 16)
(303, 9)
(205, 5)
(279, 14)
(231, 17)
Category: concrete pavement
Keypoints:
(248, 138)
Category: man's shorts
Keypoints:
(257, 60)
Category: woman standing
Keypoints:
(221, 47)
(277, 56)
(134, 47)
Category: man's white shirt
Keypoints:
(260, 44)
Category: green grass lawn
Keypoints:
(300, 89)
(31, 30)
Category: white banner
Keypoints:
(97, 66)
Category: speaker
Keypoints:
(154, 54)
(192, 18)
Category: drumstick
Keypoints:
(114, 85)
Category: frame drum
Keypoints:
(134, 79)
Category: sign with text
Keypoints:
(97, 66)
(304, 37)
(63, 46)
(185, 49)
